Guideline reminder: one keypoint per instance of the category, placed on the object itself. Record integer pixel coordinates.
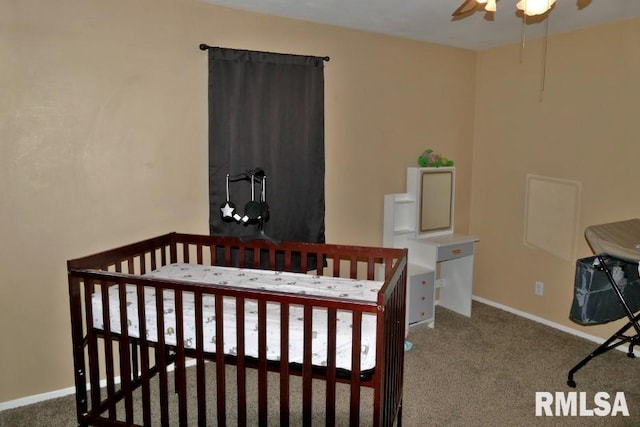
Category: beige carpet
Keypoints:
(478, 371)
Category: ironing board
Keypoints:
(607, 285)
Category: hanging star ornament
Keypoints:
(227, 210)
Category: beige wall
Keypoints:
(103, 141)
(584, 131)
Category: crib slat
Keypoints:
(272, 259)
(181, 376)
(143, 263)
(92, 341)
(370, 268)
(331, 368)
(199, 253)
(144, 357)
(200, 367)
(108, 348)
(287, 260)
(256, 257)
(319, 264)
(173, 253)
(353, 271)
(240, 366)
(227, 255)
(125, 356)
(397, 356)
(220, 365)
(303, 261)
(284, 364)
(185, 253)
(354, 418)
(262, 363)
(213, 249)
(306, 366)
(161, 359)
(242, 257)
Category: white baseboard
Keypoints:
(551, 324)
(70, 390)
(24, 401)
(64, 392)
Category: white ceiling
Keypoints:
(430, 20)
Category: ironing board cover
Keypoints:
(617, 239)
(595, 300)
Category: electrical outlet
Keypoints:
(539, 288)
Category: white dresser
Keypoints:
(440, 267)
(451, 256)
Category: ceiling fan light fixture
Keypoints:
(535, 7)
(491, 6)
(481, 1)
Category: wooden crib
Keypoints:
(138, 375)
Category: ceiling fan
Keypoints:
(528, 7)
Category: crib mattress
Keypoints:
(296, 283)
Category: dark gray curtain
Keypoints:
(266, 110)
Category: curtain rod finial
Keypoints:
(203, 46)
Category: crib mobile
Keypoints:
(255, 211)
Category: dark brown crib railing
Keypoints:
(131, 380)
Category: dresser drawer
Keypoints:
(454, 251)
(420, 305)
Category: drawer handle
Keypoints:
(422, 314)
(423, 298)
(424, 282)
(456, 251)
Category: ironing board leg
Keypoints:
(603, 348)
(606, 346)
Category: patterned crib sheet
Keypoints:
(297, 283)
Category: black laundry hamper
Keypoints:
(595, 300)
(607, 286)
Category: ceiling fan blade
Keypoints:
(466, 7)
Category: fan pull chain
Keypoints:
(543, 59)
(523, 37)
(543, 66)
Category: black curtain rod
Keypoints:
(205, 47)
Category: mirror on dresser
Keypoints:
(436, 207)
